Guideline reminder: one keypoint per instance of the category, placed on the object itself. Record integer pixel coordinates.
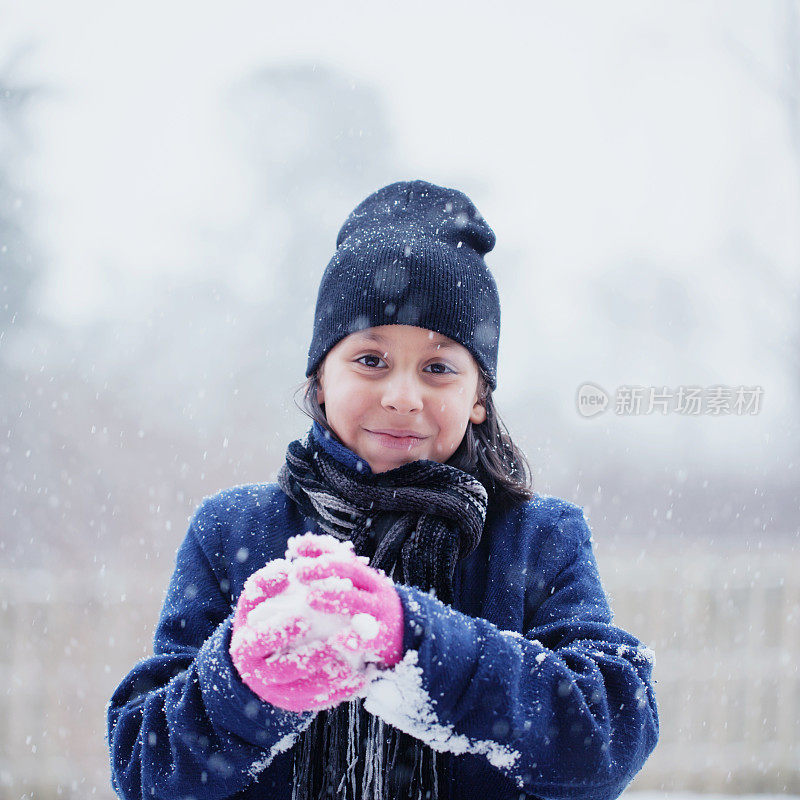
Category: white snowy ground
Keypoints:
(697, 796)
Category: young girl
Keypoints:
(470, 651)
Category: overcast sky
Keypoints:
(629, 118)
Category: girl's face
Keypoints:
(398, 393)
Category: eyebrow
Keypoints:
(376, 337)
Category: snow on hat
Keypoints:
(411, 254)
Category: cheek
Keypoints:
(351, 403)
(453, 414)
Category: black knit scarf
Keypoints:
(415, 522)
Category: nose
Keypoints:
(402, 394)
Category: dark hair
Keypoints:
(486, 450)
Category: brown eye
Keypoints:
(369, 355)
(440, 364)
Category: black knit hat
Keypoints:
(411, 254)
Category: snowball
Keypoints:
(316, 626)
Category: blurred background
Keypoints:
(172, 180)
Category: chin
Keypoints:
(384, 467)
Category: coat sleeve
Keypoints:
(566, 710)
(182, 723)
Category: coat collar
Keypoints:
(339, 451)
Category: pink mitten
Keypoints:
(369, 597)
(275, 665)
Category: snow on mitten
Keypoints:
(342, 583)
(271, 651)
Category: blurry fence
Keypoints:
(725, 629)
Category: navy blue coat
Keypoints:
(524, 681)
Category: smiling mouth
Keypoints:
(396, 442)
